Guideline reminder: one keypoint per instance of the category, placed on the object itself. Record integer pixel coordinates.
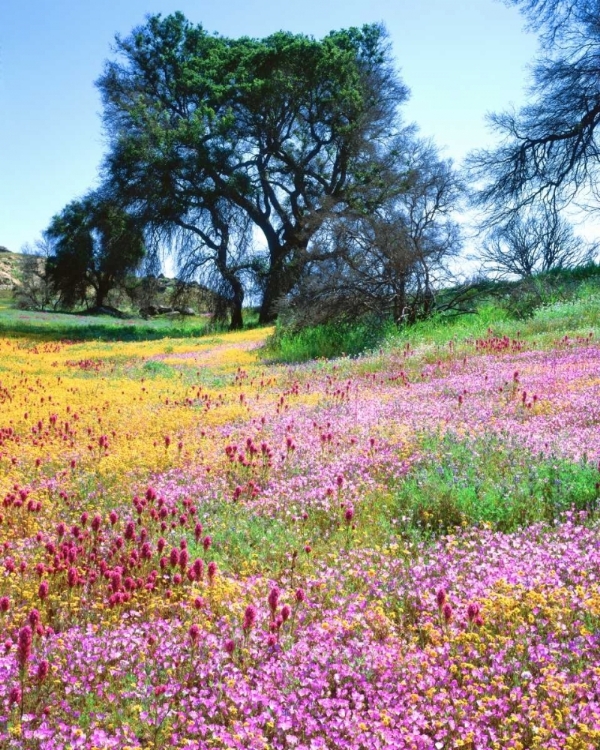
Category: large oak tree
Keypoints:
(208, 133)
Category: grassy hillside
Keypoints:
(558, 303)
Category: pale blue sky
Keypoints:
(460, 58)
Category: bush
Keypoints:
(523, 298)
(328, 340)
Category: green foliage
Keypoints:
(523, 298)
(570, 306)
(327, 341)
(210, 135)
(493, 481)
(93, 244)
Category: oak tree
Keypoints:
(208, 133)
(94, 244)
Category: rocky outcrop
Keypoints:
(8, 270)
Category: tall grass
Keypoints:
(328, 341)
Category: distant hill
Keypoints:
(9, 268)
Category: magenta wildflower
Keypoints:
(72, 577)
(249, 618)
(43, 670)
(229, 646)
(194, 633)
(34, 618)
(273, 599)
(24, 646)
(472, 611)
(198, 569)
(212, 571)
(440, 598)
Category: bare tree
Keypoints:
(549, 150)
(534, 242)
(35, 291)
(212, 244)
(391, 261)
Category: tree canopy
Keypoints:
(215, 137)
(93, 243)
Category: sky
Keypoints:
(460, 58)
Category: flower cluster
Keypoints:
(198, 550)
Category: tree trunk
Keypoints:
(102, 288)
(100, 297)
(400, 301)
(272, 292)
(237, 289)
(282, 277)
(237, 320)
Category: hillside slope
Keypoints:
(9, 268)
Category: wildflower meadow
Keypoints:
(201, 549)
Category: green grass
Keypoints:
(155, 368)
(327, 341)
(245, 541)
(489, 480)
(81, 327)
(577, 317)
(566, 303)
(104, 328)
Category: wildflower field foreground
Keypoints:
(201, 550)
